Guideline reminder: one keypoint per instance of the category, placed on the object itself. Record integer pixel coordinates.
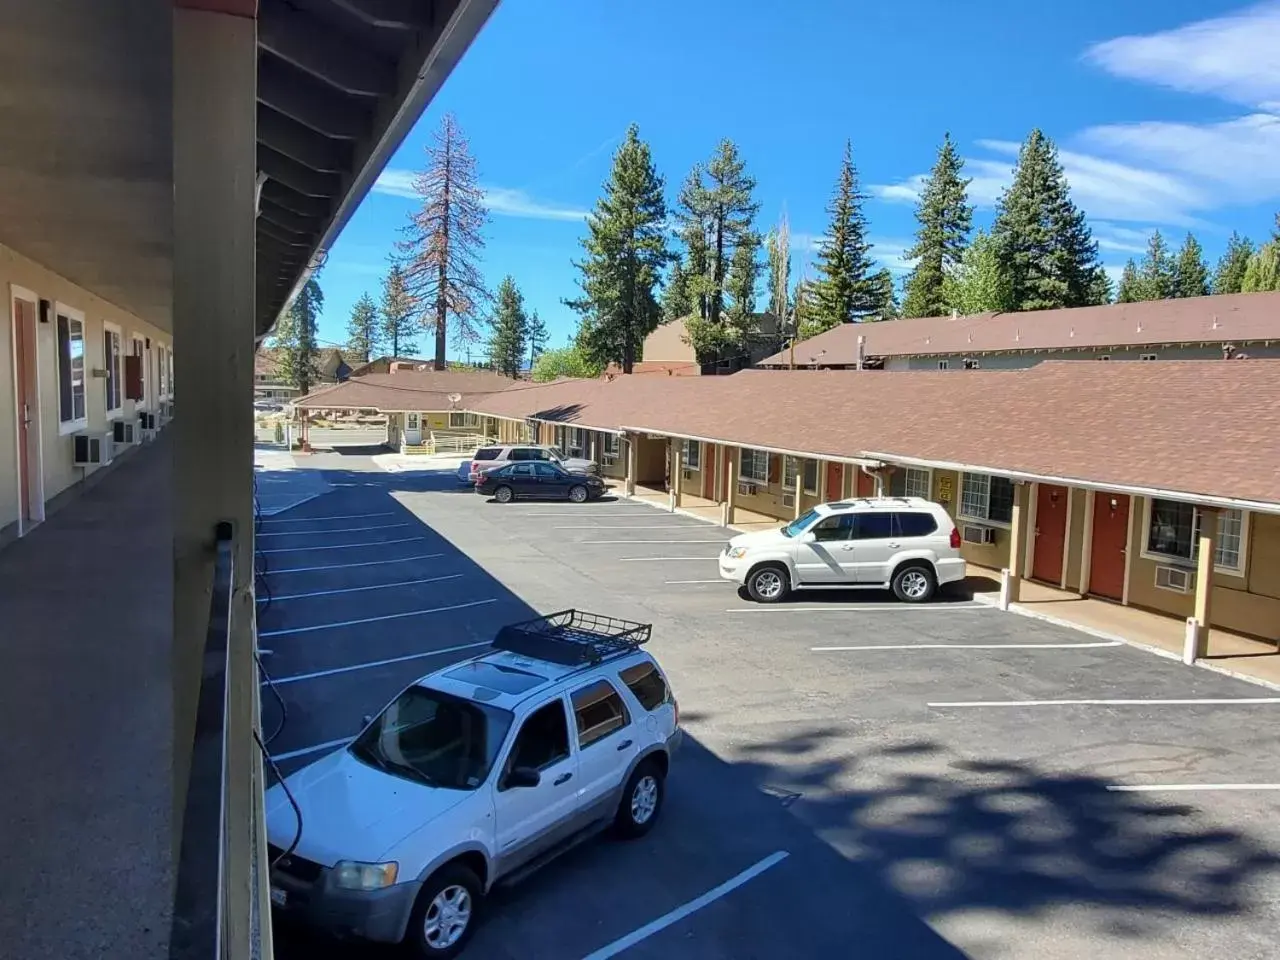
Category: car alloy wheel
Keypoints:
(578, 494)
(502, 494)
(447, 917)
(644, 799)
(915, 584)
(768, 584)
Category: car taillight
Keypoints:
(955, 538)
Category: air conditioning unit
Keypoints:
(687, 474)
(124, 432)
(973, 533)
(746, 487)
(91, 449)
(147, 423)
(1175, 578)
(789, 498)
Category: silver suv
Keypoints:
(905, 544)
(488, 458)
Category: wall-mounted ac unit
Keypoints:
(91, 449)
(789, 498)
(973, 533)
(124, 432)
(746, 487)
(1175, 578)
(687, 474)
(146, 422)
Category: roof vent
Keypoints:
(1139, 326)
(1215, 322)
(1017, 335)
(971, 338)
(1071, 332)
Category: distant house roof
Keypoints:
(376, 363)
(1231, 318)
(407, 390)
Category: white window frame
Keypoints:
(138, 341)
(986, 520)
(915, 474)
(466, 420)
(944, 364)
(790, 470)
(1105, 356)
(611, 448)
(74, 424)
(163, 371)
(693, 464)
(817, 475)
(1148, 356)
(116, 375)
(749, 455)
(973, 364)
(1169, 559)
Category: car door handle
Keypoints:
(624, 744)
(893, 546)
(847, 546)
(563, 778)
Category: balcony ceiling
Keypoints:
(85, 156)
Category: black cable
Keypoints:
(297, 810)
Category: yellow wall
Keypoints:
(56, 452)
(764, 498)
(1075, 538)
(993, 555)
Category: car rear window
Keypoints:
(916, 524)
(599, 712)
(487, 453)
(647, 684)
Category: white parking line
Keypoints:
(862, 608)
(389, 616)
(694, 581)
(679, 913)
(598, 542)
(973, 646)
(343, 546)
(281, 757)
(314, 533)
(665, 559)
(1188, 787)
(374, 663)
(364, 563)
(637, 526)
(341, 516)
(1214, 701)
(376, 586)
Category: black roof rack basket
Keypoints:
(573, 637)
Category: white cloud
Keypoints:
(1235, 57)
(1115, 272)
(1119, 239)
(892, 253)
(501, 201)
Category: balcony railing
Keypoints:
(221, 902)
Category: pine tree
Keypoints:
(1229, 275)
(844, 292)
(1190, 274)
(1263, 271)
(397, 312)
(808, 321)
(443, 241)
(295, 338)
(740, 285)
(537, 337)
(1131, 287)
(363, 334)
(945, 218)
(677, 302)
(1046, 250)
(626, 249)
(979, 283)
(885, 295)
(510, 334)
(1156, 272)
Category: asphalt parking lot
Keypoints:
(943, 781)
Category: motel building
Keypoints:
(174, 171)
(1141, 499)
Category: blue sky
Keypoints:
(1167, 116)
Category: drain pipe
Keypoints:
(875, 475)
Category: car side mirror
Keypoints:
(523, 777)
(366, 720)
(809, 537)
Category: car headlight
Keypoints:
(353, 875)
(735, 553)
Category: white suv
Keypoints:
(476, 774)
(905, 544)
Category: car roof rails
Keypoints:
(573, 638)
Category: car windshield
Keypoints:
(556, 453)
(800, 524)
(435, 739)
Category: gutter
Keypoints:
(1229, 503)
(468, 18)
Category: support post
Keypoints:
(629, 484)
(215, 59)
(1086, 543)
(822, 481)
(674, 458)
(1017, 542)
(730, 489)
(799, 487)
(1197, 640)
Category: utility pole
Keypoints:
(794, 333)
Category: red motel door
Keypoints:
(1110, 540)
(1051, 533)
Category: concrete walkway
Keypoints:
(86, 710)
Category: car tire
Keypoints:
(450, 894)
(578, 494)
(768, 583)
(914, 583)
(641, 801)
(504, 494)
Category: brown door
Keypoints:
(24, 362)
(1110, 540)
(835, 481)
(866, 485)
(1051, 533)
(708, 471)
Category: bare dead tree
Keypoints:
(441, 250)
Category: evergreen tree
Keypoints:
(808, 320)
(1102, 289)
(295, 338)
(537, 337)
(442, 244)
(510, 334)
(1131, 287)
(844, 292)
(1229, 275)
(1047, 252)
(945, 218)
(1263, 271)
(397, 313)
(778, 252)
(626, 249)
(1156, 272)
(884, 294)
(979, 283)
(740, 285)
(677, 301)
(363, 334)
(1190, 274)
(564, 362)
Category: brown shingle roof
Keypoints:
(1231, 318)
(420, 390)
